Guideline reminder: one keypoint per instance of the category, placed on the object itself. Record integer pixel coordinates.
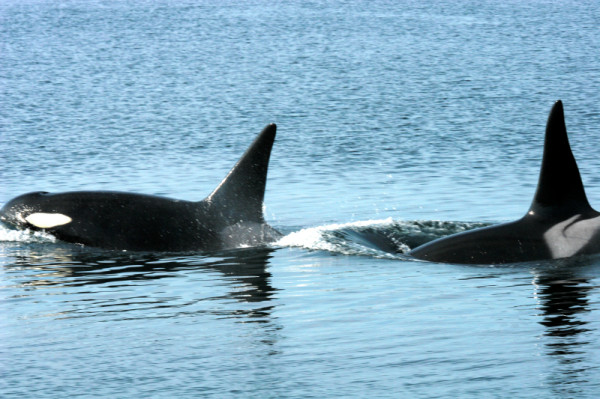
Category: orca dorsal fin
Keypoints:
(560, 183)
(240, 195)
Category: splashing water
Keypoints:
(379, 238)
(24, 236)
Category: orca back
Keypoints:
(560, 221)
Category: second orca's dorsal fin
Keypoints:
(240, 195)
(559, 183)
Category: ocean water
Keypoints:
(407, 119)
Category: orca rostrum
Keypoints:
(230, 217)
(560, 222)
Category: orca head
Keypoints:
(30, 211)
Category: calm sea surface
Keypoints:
(409, 119)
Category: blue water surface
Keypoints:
(409, 119)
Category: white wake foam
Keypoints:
(380, 238)
(324, 238)
(25, 236)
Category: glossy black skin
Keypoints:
(117, 220)
(560, 222)
(230, 217)
(527, 239)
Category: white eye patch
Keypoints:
(47, 220)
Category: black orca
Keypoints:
(560, 222)
(232, 216)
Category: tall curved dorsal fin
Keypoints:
(240, 195)
(560, 182)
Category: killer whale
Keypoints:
(231, 216)
(560, 221)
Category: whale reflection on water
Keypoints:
(131, 282)
(563, 288)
